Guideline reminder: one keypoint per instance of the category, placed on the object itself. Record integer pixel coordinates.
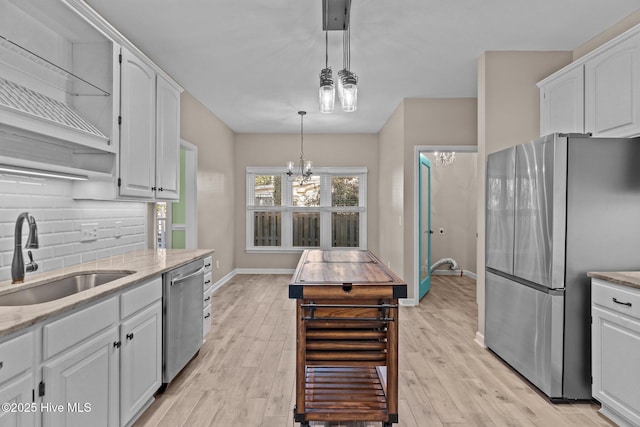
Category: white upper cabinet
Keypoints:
(598, 94)
(562, 103)
(138, 128)
(167, 140)
(612, 90)
(59, 93)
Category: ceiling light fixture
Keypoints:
(444, 158)
(336, 16)
(327, 88)
(304, 172)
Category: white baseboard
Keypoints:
(264, 271)
(223, 280)
(480, 339)
(470, 274)
(409, 302)
(446, 273)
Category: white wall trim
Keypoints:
(480, 340)
(223, 281)
(191, 193)
(417, 149)
(264, 270)
(471, 274)
(408, 302)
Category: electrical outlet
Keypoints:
(118, 232)
(89, 232)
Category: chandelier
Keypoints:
(303, 172)
(444, 158)
(336, 16)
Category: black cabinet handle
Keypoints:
(628, 304)
(1, 365)
(130, 336)
(207, 299)
(153, 188)
(207, 315)
(117, 344)
(161, 189)
(206, 282)
(207, 265)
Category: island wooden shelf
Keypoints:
(347, 337)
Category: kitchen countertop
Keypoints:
(145, 264)
(625, 278)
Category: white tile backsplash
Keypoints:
(59, 218)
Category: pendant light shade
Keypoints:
(327, 94)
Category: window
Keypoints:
(329, 211)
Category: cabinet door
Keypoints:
(18, 392)
(140, 360)
(562, 103)
(85, 382)
(612, 90)
(167, 140)
(615, 367)
(138, 127)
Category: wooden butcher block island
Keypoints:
(347, 337)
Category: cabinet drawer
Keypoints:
(621, 299)
(206, 320)
(208, 283)
(208, 263)
(140, 297)
(207, 297)
(16, 356)
(78, 326)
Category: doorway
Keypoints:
(445, 222)
(424, 225)
(177, 222)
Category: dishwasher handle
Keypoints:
(182, 279)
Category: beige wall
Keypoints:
(391, 191)
(454, 205)
(324, 150)
(622, 26)
(216, 215)
(415, 122)
(508, 114)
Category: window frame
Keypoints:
(287, 209)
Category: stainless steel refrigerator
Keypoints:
(556, 208)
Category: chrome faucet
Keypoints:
(17, 265)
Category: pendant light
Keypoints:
(327, 93)
(304, 172)
(348, 81)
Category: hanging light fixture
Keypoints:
(304, 166)
(327, 88)
(444, 158)
(336, 16)
(348, 81)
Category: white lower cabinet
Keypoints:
(17, 381)
(81, 386)
(615, 330)
(140, 360)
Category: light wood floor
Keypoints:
(244, 374)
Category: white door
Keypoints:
(562, 103)
(138, 127)
(14, 393)
(140, 360)
(167, 140)
(85, 375)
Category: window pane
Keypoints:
(268, 190)
(306, 229)
(307, 194)
(267, 229)
(344, 191)
(345, 229)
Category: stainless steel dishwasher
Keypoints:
(182, 317)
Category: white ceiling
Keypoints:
(255, 63)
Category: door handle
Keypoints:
(428, 231)
(130, 336)
(628, 304)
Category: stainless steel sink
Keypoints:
(60, 288)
